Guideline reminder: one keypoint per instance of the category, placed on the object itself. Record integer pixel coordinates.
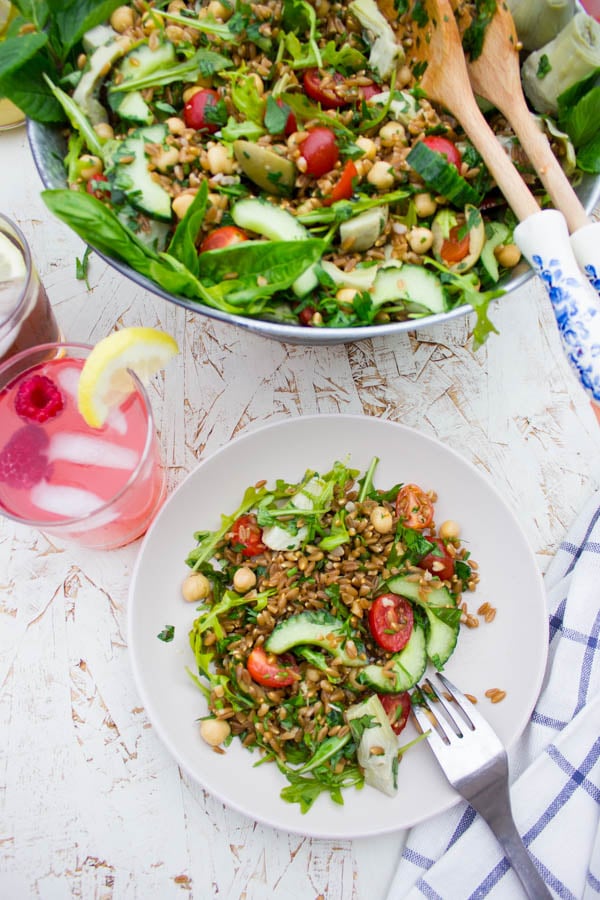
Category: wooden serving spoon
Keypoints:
(542, 235)
(437, 48)
(495, 75)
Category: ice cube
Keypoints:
(87, 450)
(67, 502)
(117, 420)
(68, 379)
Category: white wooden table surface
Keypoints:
(91, 804)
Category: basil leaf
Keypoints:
(183, 242)
(16, 51)
(167, 634)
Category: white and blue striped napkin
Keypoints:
(555, 766)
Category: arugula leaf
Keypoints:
(359, 725)
(208, 540)
(202, 64)
(210, 616)
(304, 789)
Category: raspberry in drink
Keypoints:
(98, 486)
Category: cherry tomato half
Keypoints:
(94, 187)
(455, 247)
(223, 237)
(270, 670)
(413, 507)
(291, 124)
(246, 535)
(320, 150)
(439, 562)
(443, 145)
(195, 111)
(391, 621)
(367, 91)
(324, 88)
(344, 187)
(397, 707)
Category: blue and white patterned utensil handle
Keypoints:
(586, 247)
(543, 239)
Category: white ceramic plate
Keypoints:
(509, 653)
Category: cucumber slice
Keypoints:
(414, 285)
(441, 636)
(408, 667)
(441, 176)
(129, 173)
(317, 629)
(276, 224)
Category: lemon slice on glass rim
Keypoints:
(105, 377)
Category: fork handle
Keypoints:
(493, 805)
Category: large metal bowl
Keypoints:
(48, 147)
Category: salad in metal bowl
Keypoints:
(271, 162)
(319, 606)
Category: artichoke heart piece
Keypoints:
(377, 752)
(570, 57)
(266, 168)
(539, 21)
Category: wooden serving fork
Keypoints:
(436, 53)
(496, 76)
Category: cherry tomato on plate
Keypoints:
(414, 507)
(344, 187)
(367, 91)
(391, 621)
(397, 707)
(226, 236)
(443, 145)
(455, 247)
(246, 535)
(320, 151)
(324, 88)
(270, 670)
(438, 562)
(195, 111)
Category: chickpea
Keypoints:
(122, 18)
(346, 296)
(151, 21)
(175, 125)
(181, 204)
(404, 77)
(420, 239)
(90, 167)
(189, 92)
(167, 159)
(81, 61)
(214, 731)
(104, 131)
(392, 133)
(381, 176)
(425, 205)
(259, 83)
(368, 147)
(195, 587)
(508, 255)
(449, 530)
(218, 10)
(219, 160)
(244, 579)
(381, 520)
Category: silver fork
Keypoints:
(474, 761)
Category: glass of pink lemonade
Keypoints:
(99, 487)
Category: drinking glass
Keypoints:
(99, 487)
(26, 316)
